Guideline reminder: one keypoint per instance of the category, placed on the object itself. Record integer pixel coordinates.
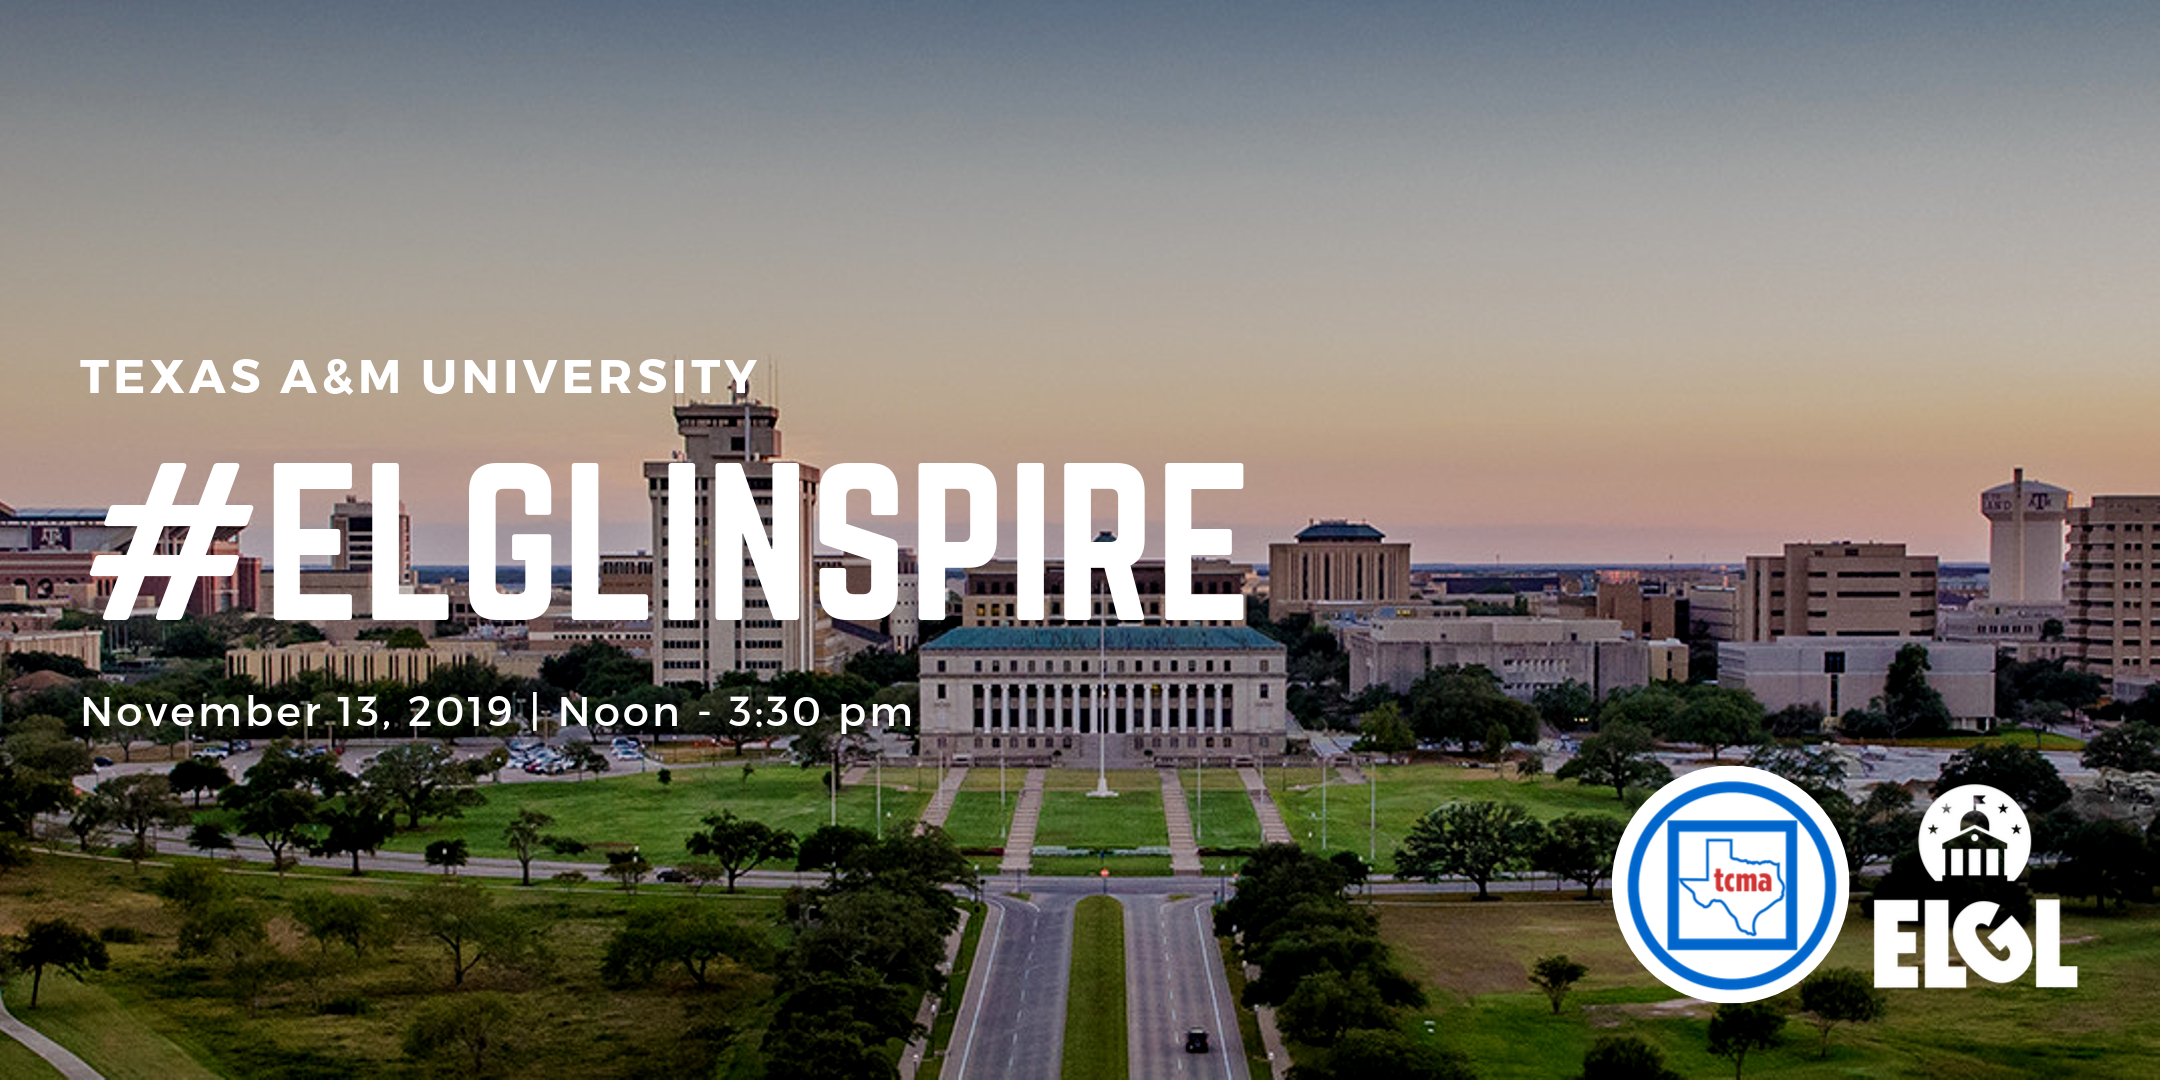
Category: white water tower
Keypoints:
(2025, 540)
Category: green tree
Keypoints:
(1457, 704)
(1386, 731)
(1475, 840)
(596, 669)
(2131, 747)
(195, 776)
(698, 938)
(828, 847)
(1651, 707)
(476, 1031)
(352, 827)
(1834, 996)
(1364, 1053)
(1908, 703)
(628, 868)
(1735, 1030)
(405, 637)
(525, 833)
(281, 817)
(462, 919)
(1625, 1057)
(738, 844)
(1566, 705)
(1580, 848)
(2017, 771)
(136, 805)
(448, 854)
(331, 918)
(1328, 1003)
(422, 779)
(1718, 718)
(57, 944)
(1555, 975)
(1620, 756)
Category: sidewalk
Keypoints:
(56, 1055)
(1272, 829)
(1184, 852)
(1020, 842)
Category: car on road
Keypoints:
(1196, 1041)
(101, 762)
(671, 875)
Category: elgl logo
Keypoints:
(1971, 831)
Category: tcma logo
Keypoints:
(1970, 832)
(1730, 884)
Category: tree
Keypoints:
(352, 827)
(586, 758)
(1355, 871)
(1625, 1057)
(405, 637)
(2102, 860)
(1328, 1003)
(1908, 703)
(829, 846)
(1364, 1053)
(1819, 771)
(1579, 848)
(1651, 707)
(1619, 756)
(1385, 730)
(2017, 771)
(197, 775)
(1565, 705)
(136, 804)
(280, 818)
(739, 844)
(597, 669)
(1834, 996)
(694, 937)
(448, 854)
(1456, 703)
(1475, 840)
(2130, 746)
(462, 919)
(475, 1031)
(1717, 718)
(1794, 722)
(340, 918)
(524, 834)
(1737, 1029)
(209, 837)
(1556, 975)
(628, 868)
(58, 944)
(422, 779)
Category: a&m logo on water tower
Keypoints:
(1730, 884)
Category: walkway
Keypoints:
(940, 806)
(1020, 840)
(1272, 829)
(56, 1055)
(1184, 852)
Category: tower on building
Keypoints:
(2025, 540)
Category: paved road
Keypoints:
(1012, 1023)
(1174, 982)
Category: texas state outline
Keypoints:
(1710, 864)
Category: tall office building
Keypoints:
(699, 649)
(360, 540)
(1838, 590)
(2111, 603)
(1337, 567)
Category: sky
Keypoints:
(1538, 282)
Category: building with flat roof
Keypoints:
(1838, 675)
(2112, 607)
(1528, 654)
(1336, 567)
(700, 649)
(990, 593)
(1843, 589)
(47, 554)
(363, 536)
(84, 646)
(1157, 694)
(367, 661)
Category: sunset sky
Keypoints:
(1528, 282)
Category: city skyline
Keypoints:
(1543, 286)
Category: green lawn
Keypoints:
(1089, 866)
(16, 1060)
(638, 809)
(86, 1018)
(1407, 792)
(1133, 819)
(1095, 1038)
(1474, 959)
(2012, 736)
(956, 982)
(1222, 813)
(978, 821)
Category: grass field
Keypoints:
(16, 1061)
(638, 809)
(1095, 1037)
(948, 1014)
(154, 1017)
(1222, 814)
(1407, 792)
(978, 821)
(1475, 958)
(1133, 819)
(2011, 736)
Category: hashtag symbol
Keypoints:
(145, 556)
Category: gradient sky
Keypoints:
(1534, 282)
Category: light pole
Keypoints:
(880, 766)
(1102, 707)
(1372, 816)
(1323, 804)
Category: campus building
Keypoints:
(370, 661)
(1528, 654)
(700, 648)
(1158, 694)
(2111, 621)
(83, 646)
(990, 593)
(1337, 567)
(1843, 589)
(362, 537)
(1837, 675)
(46, 556)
